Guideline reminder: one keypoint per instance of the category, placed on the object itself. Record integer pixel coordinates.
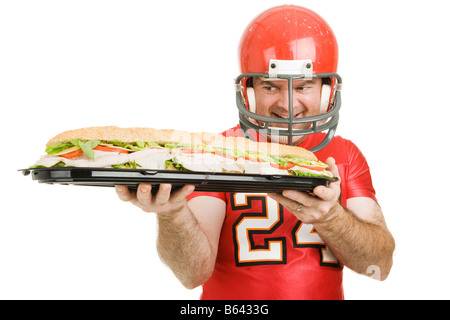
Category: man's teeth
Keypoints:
(280, 116)
(286, 116)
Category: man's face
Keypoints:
(272, 99)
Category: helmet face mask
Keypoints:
(284, 130)
(287, 53)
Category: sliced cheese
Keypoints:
(151, 158)
(71, 149)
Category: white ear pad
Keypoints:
(251, 99)
(324, 101)
(325, 98)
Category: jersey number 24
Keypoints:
(274, 250)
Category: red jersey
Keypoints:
(265, 252)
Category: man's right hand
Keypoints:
(164, 202)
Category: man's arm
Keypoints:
(188, 240)
(189, 232)
(361, 242)
(357, 235)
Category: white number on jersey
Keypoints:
(273, 251)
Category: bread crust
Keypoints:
(176, 136)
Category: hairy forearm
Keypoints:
(184, 248)
(360, 245)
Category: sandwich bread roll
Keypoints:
(168, 149)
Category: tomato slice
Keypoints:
(72, 154)
(110, 149)
(225, 155)
(288, 166)
(253, 159)
(197, 151)
(191, 151)
(317, 168)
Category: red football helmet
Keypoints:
(289, 42)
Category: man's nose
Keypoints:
(283, 100)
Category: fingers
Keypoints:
(289, 204)
(163, 201)
(331, 192)
(124, 193)
(307, 208)
(324, 193)
(144, 195)
(332, 166)
(297, 197)
(180, 195)
(163, 194)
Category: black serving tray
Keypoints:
(203, 181)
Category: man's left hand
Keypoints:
(316, 208)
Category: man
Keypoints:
(279, 246)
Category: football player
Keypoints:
(292, 245)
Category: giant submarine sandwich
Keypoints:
(147, 148)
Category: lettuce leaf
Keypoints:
(86, 146)
(175, 164)
(308, 174)
(58, 148)
(175, 145)
(56, 165)
(133, 146)
(301, 161)
(128, 165)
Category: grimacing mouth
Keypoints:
(276, 115)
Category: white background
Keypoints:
(171, 64)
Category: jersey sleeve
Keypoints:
(219, 195)
(359, 180)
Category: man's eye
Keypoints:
(269, 88)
